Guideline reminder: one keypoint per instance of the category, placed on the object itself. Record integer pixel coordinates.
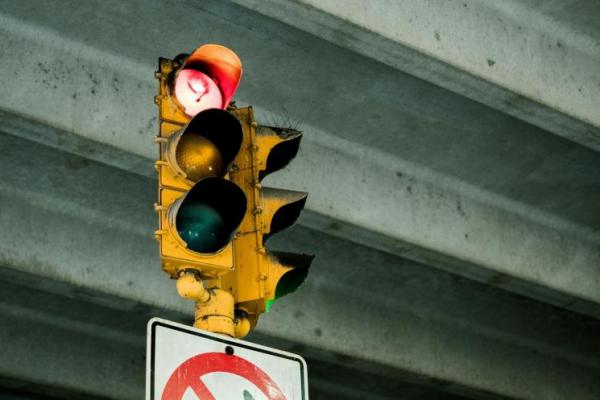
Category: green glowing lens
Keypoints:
(269, 304)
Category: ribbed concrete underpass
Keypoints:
(453, 208)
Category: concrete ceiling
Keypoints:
(451, 155)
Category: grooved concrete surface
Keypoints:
(451, 155)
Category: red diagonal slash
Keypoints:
(188, 375)
(200, 389)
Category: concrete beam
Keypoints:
(48, 349)
(470, 189)
(537, 62)
(88, 345)
(367, 307)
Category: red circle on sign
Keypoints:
(188, 375)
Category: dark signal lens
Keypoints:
(293, 278)
(208, 216)
(201, 227)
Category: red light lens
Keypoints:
(197, 92)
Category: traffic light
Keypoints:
(262, 276)
(214, 215)
(199, 210)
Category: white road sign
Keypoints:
(184, 363)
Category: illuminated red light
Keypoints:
(208, 79)
(197, 92)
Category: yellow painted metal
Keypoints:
(214, 307)
(257, 271)
(242, 276)
(190, 286)
(268, 138)
(217, 314)
(242, 326)
(275, 200)
(174, 183)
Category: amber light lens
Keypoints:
(196, 92)
(199, 158)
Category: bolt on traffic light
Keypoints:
(214, 215)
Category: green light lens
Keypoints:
(201, 227)
(288, 283)
(269, 304)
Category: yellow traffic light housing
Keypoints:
(199, 209)
(214, 214)
(262, 276)
(192, 149)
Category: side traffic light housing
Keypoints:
(263, 276)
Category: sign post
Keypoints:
(184, 363)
